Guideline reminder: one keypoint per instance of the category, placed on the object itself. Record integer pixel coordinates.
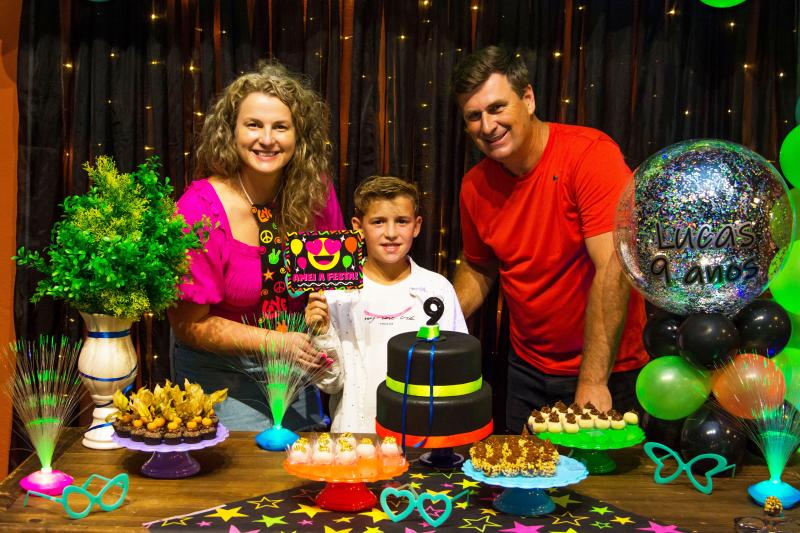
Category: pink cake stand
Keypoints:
(46, 481)
(171, 461)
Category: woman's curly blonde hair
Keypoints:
(305, 184)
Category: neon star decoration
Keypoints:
(227, 514)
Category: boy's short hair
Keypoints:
(475, 69)
(383, 188)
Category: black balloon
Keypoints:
(666, 432)
(660, 335)
(709, 340)
(710, 430)
(764, 328)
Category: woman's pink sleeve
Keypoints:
(204, 283)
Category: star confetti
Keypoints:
(657, 528)
(521, 528)
(227, 514)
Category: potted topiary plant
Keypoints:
(119, 251)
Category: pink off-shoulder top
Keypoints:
(227, 276)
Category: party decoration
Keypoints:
(776, 431)
(785, 285)
(708, 340)
(789, 157)
(650, 448)
(749, 386)
(764, 328)
(693, 230)
(415, 501)
(280, 374)
(45, 390)
(660, 335)
(712, 430)
(80, 495)
(671, 388)
(722, 3)
(119, 249)
(320, 260)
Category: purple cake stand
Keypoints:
(171, 461)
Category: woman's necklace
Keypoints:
(247, 196)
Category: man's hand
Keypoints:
(598, 394)
(317, 316)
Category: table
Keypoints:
(237, 469)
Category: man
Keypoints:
(538, 211)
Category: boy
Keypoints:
(354, 326)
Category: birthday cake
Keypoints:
(434, 391)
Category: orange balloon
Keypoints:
(350, 243)
(749, 385)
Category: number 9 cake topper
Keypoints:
(434, 308)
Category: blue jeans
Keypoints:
(246, 408)
(528, 389)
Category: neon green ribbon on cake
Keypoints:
(439, 391)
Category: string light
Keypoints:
(402, 37)
(153, 16)
(557, 54)
(68, 65)
(148, 148)
(686, 112)
(780, 74)
(113, 55)
(672, 12)
(731, 24)
(198, 113)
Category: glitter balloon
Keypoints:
(694, 228)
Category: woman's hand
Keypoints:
(299, 346)
(317, 316)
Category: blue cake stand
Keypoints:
(527, 496)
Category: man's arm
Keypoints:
(606, 312)
(472, 284)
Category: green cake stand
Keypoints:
(589, 446)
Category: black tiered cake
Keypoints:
(456, 411)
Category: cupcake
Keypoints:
(631, 417)
(208, 432)
(152, 437)
(585, 421)
(365, 449)
(348, 438)
(191, 436)
(298, 453)
(589, 406)
(554, 422)
(602, 422)
(571, 423)
(137, 434)
(616, 421)
(122, 429)
(575, 408)
(322, 455)
(560, 406)
(545, 410)
(389, 447)
(538, 424)
(172, 437)
(345, 454)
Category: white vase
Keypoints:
(107, 363)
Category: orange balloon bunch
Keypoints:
(749, 386)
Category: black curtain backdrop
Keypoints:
(132, 79)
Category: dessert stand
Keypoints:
(171, 461)
(346, 485)
(589, 446)
(527, 496)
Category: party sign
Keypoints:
(322, 260)
(696, 229)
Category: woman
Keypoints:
(264, 147)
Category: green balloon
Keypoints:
(785, 285)
(722, 3)
(781, 217)
(347, 261)
(671, 388)
(790, 157)
(789, 363)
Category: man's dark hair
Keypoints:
(475, 69)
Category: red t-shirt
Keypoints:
(535, 226)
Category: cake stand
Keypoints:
(589, 446)
(346, 486)
(527, 496)
(171, 461)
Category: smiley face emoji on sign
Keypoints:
(323, 253)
